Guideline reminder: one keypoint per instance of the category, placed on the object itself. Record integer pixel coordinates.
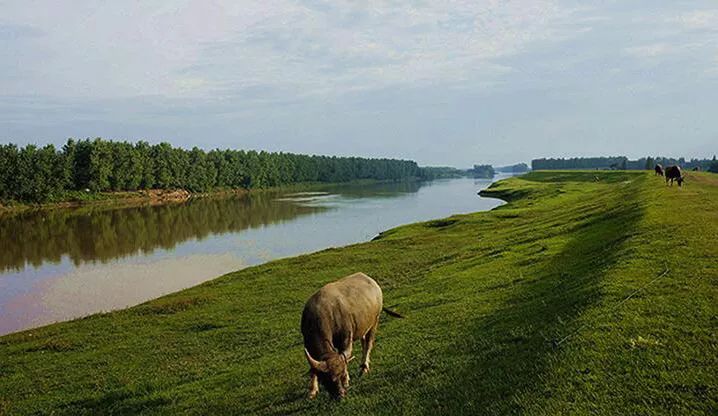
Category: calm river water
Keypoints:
(62, 264)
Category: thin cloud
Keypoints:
(651, 51)
(125, 49)
(699, 20)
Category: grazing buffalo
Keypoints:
(334, 317)
(659, 170)
(674, 173)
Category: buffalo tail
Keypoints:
(392, 313)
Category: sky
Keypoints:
(444, 83)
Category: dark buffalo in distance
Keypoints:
(334, 317)
(674, 173)
(697, 169)
(659, 170)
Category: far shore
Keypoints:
(143, 197)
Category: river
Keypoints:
(62, 264)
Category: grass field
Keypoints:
(589, 293)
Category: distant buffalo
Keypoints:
(334, 317)
(674, 173)
(659, 170)
(697, 169)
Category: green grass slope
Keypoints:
(588, 293)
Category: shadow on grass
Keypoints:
(504, 355)
(119, 402)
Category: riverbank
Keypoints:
(579, 296)
(123, 199)
(78, 199)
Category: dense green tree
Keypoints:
(145, 164)
(36, 175)
(69, 152)
(163, 173)
(101, 165)
(9, 163)
(125, 173)
(80, 163)
(202, 173)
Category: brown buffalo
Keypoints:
(659, 170)
(334, 317)
(674, 173)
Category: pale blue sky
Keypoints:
(443, 83)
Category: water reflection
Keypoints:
(381, 190)
(103, 234)
(91, 235)
(84, 290)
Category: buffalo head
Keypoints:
(333, 370)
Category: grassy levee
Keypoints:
(588, 293)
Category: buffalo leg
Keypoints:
(367, 343)
(313, 384)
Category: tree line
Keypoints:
(517, 168)
(443, 172)
(711, 165)
(618, 162)
(577, 163)
(483, 171)
(42, 174)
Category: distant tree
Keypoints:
(78, 155)
(69, 152)
(431, 172)
(202, 173)
(38, 176)
(101, 165)
(162, 167)
(9, 166)
(145, 163)
(650, 164)
(578, 163)
(517, 168)
(714, 165)
(483, 171)
(126, 173)
(618, 162)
